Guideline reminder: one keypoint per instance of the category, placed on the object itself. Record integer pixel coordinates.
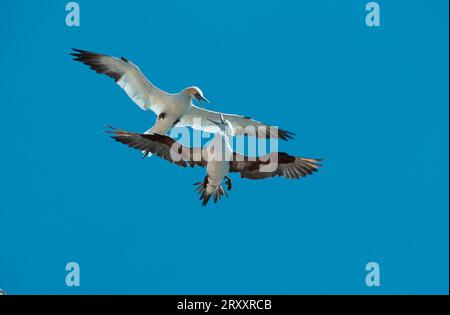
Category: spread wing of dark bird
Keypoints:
(163, 146)
(274, 164)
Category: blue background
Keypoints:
(372, 101)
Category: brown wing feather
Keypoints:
(274, 164)
(163, 146)
(100, 63)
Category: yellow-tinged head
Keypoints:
(196, 94)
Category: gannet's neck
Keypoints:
(222, 136)
(222, 147)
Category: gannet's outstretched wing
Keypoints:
(199, 118)
(273, 164)
(127, 75)
(163, 146)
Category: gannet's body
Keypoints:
(219, 156)
(219, 159)
(171, 109)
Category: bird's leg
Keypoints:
(228, 183)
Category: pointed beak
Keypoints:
(218, 124)
(200, 99)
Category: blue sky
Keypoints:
(373, 102)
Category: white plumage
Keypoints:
(171, 109)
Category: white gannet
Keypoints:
(171, 109)
(218, 158)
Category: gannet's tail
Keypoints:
(206, 190)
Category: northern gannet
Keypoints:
(171, 109)
(219, 159)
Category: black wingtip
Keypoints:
(285, 135)
(77, 52)
(113, 130)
